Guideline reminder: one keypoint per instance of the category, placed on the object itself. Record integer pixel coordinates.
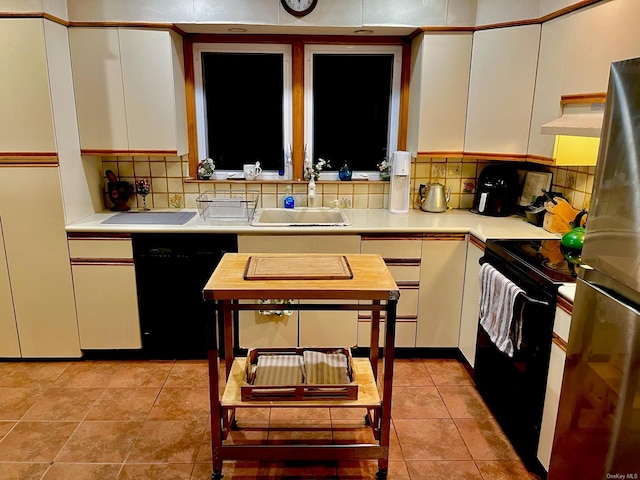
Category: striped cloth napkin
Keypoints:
(279, 370)
(325, 368)
(497, 301)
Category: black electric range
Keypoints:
(541, 260)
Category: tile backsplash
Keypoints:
(171, 186)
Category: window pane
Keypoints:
(351, 102)
(243, 102)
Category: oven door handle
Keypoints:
(526, 297)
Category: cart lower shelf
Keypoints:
(368, 396)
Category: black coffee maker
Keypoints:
(497, 191)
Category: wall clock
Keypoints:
(299, 8)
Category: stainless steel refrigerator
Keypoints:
(598, 428)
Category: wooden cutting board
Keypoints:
(303, 267)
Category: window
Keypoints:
(352, 104)
(243, 105)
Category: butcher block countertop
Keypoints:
(371, 279)
(363, 221)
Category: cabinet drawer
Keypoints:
(410, 248)
(407, 305)
(405, 333)
(404, 272)
(97, 248)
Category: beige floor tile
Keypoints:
(503, 470)
(438, 470)
(30, 374)
(87, 374)
(141, 374)
(485, 439)
(63, 404)
(304, 432)
(15, 402)
(464, 401)
(181, 403)
(417, 402)
(126, 404)
(22, 471)
(170, 441)
(171, 471)
(447, 372)
(367, 469)
(35, 441)
(430, 439)
(83, 471)
(410, 372)
(100, 442)
(286, 414)
(189, 373)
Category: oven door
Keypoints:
(514, 387)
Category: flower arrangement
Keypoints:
(385, 169)
(314, 169)
(205, 169)
(143, 188)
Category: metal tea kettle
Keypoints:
(433, 197)
(572, 241)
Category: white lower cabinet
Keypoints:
(9, 342)
(36, 267)
(470, 300)
(402, 254)
(554, 385)
(302, 328)
(105, 291)
(441, 277)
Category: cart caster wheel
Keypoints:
(216, 475)
(367, 421)
(381, 475)
(234, 425)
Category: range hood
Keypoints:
(580, 120)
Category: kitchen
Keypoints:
(452, 136)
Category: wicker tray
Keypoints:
(302, 391)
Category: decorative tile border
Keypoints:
(171, 186)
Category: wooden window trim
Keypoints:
(297, 43)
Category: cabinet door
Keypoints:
(503, 74)
(551, 403)
(441, 281)
(97, 81)
(438, 92)
(470, 301)
(26, 119)
(9, 344)
(107, 306)
(609, 32)
(149, 90)
(38, 261)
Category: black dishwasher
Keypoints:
(171, 271)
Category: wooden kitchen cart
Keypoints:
(367, 281)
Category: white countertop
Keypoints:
(568, 291)
(362, 221)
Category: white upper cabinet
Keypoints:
(603, 33)
(130, 92)
(501, 86)
(576, 52)
(26, 121)
(439, 86)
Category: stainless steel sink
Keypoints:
(299, 217)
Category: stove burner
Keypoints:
(563, 267)
(529, 249)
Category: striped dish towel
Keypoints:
(279, 370)
(325, 368)
(497, 302)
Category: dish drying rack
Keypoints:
(227, 206)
